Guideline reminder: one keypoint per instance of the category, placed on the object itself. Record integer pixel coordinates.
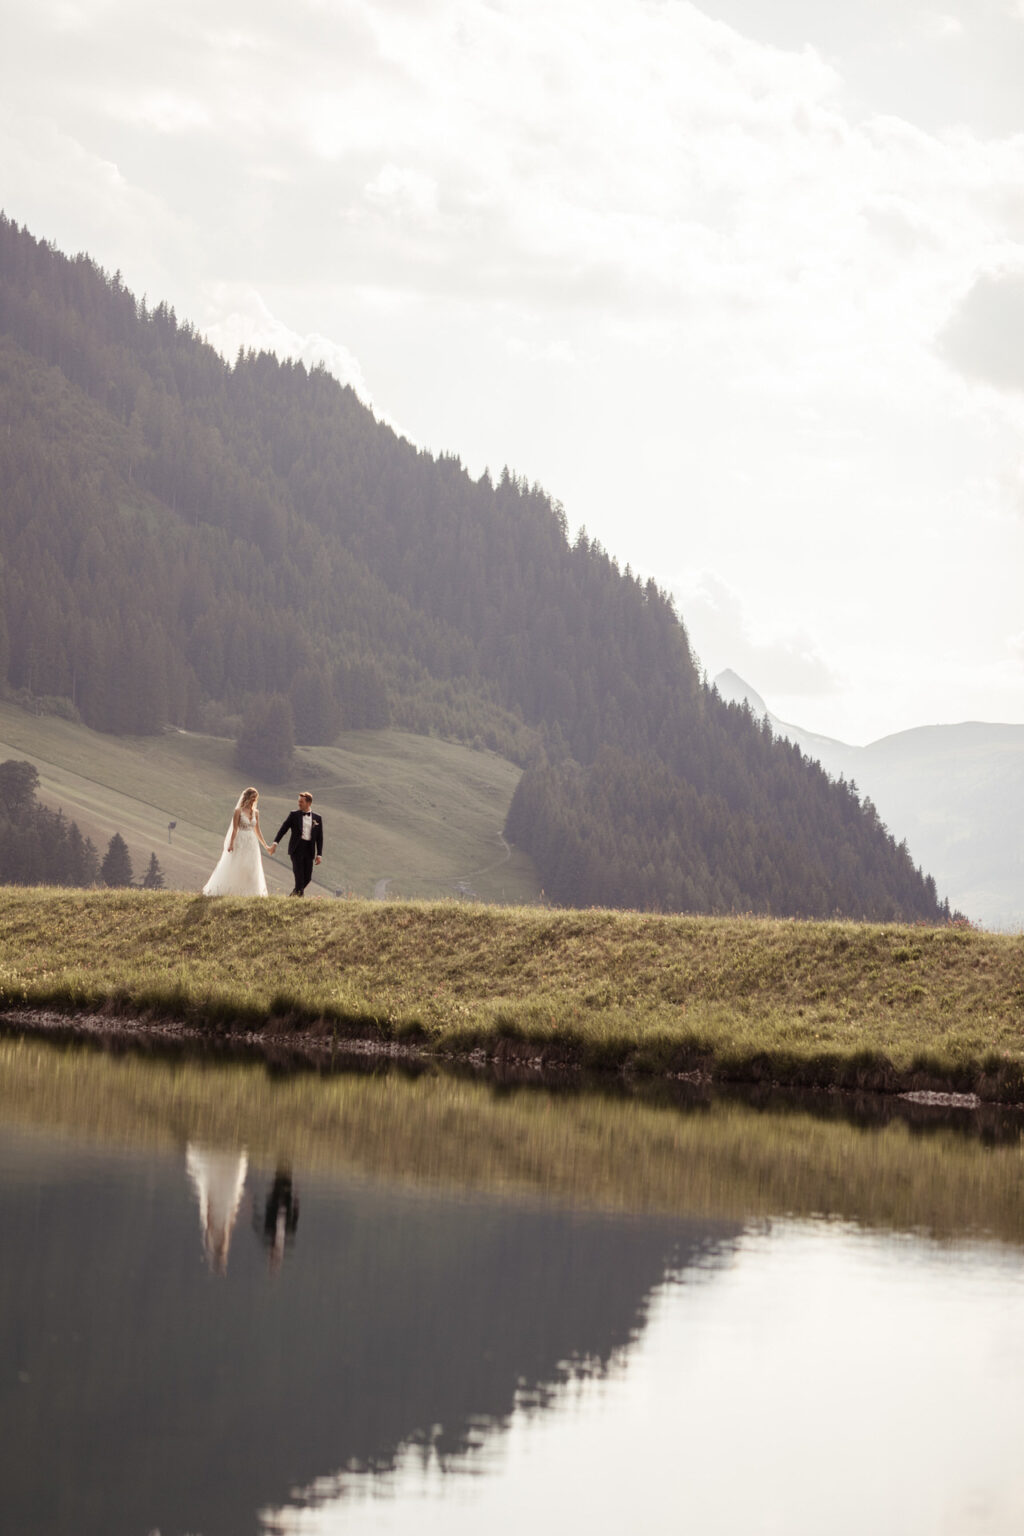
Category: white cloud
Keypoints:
(784, 663)
(404, 192)
(688, 265)
(985, 335)
(244, 322)
(168, 112)
(67, 191)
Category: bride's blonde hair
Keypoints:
(248, 797)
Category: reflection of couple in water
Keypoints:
(280, 1217)
(219, 1181)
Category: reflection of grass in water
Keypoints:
(722, 1161)
(844, 1004)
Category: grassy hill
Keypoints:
(422, 815)
(830, 1005)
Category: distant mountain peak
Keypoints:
(951, 791)
(734, 690)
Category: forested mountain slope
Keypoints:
(955, 792)
(182, 537)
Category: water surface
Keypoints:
(232, 1302)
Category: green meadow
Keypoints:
(828, 1005)
(411, 816)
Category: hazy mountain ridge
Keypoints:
(186, 540)
(954, 792)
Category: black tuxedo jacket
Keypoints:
(292, 824)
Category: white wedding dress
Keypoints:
(239, 873)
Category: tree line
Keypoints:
(40, 846)
(234, 546)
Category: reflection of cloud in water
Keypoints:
(398, 1321)
(547, 1315)
(830, 1380)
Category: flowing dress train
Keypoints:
(239, 873)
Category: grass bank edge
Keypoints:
(885, 1008)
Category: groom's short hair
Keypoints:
(304, 794)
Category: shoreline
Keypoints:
(301, 1051)
(778, 1003)
(303, 1047)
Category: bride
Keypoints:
(239, 870)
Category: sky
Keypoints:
(740, 283)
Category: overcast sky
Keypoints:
(740, 283)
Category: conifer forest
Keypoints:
(195, 543)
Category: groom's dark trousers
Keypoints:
(301, 850)
(302, 865)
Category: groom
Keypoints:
(305, 841)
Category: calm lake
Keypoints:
(237, 1300)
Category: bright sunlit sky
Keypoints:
(740, 283)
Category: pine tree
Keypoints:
(19, 781)
(116, 868)
(153, 879)
(83, 865)
(266, 743)
(317, 716)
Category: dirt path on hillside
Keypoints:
(462, 885)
